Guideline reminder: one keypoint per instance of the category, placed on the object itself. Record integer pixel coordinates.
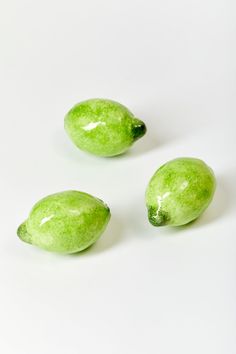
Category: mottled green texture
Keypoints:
(65, 222)
(103, 127)
(179, 192)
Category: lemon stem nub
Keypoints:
(138, 129)
(23, 233)
(157, 218)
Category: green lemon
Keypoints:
(179, 192)
(103, 127)
(65, 222)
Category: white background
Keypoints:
(140, 289)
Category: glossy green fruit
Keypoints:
(179, 192)
(103, 127)
(65, 222)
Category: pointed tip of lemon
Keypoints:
(138, 129)
(157, 218)
(23, 234)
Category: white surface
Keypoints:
(139, 289)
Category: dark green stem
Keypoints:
(157, 217)
(138, 128)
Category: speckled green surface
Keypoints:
(179, 192)
(103, 127)
(65, 222)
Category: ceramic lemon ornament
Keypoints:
(65, 222)
(103, 127)
(179, 192)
